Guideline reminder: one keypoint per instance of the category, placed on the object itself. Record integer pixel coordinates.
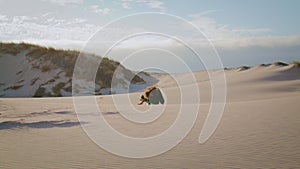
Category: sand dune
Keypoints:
(260, 126)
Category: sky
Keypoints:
(242, 32)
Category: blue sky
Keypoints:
(244, 32)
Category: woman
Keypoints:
(152, 95)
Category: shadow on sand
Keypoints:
(40, 124)
(49, 113)
(110, 113)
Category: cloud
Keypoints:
(222, 32)
(152, 4)
(225, 37)
(233, 53)
(156, 5)
(97, 9)
(66, 2)
(3, 18)
(125, 5)
(145, 41)
(263, 41)
(59, 44)
(252, 31)
(72, 33)
(235, 46)
(46, 28)
(202, 13)
(207, 25)
(222, 36)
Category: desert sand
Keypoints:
(259, 129)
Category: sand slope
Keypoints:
(260, 127)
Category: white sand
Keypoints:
(260, 127)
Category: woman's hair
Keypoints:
(148, 90)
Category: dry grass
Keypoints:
(65, 60)
(35, 66)
(19, 72)
(56, 89)
(13, 87)
(40, 92)
(20, 81)
(242, 68)
(13, 48)
(46, 68)
(296, 63)
(264, 65)
(280, 64)
(32, 82)
(48, 82)
(68, 89)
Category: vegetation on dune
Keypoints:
(46, 68)
(40, 92)
(56, 89)
(20, 81)
(241, 68)
(280, 64)
(47, 59)
(64, 59)
(19, 72)
(106, 72)
(14, 48)
(264, 65)
(60, 58)
(32, 82)
(296, 63)
(13, 87)
(145, 73)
